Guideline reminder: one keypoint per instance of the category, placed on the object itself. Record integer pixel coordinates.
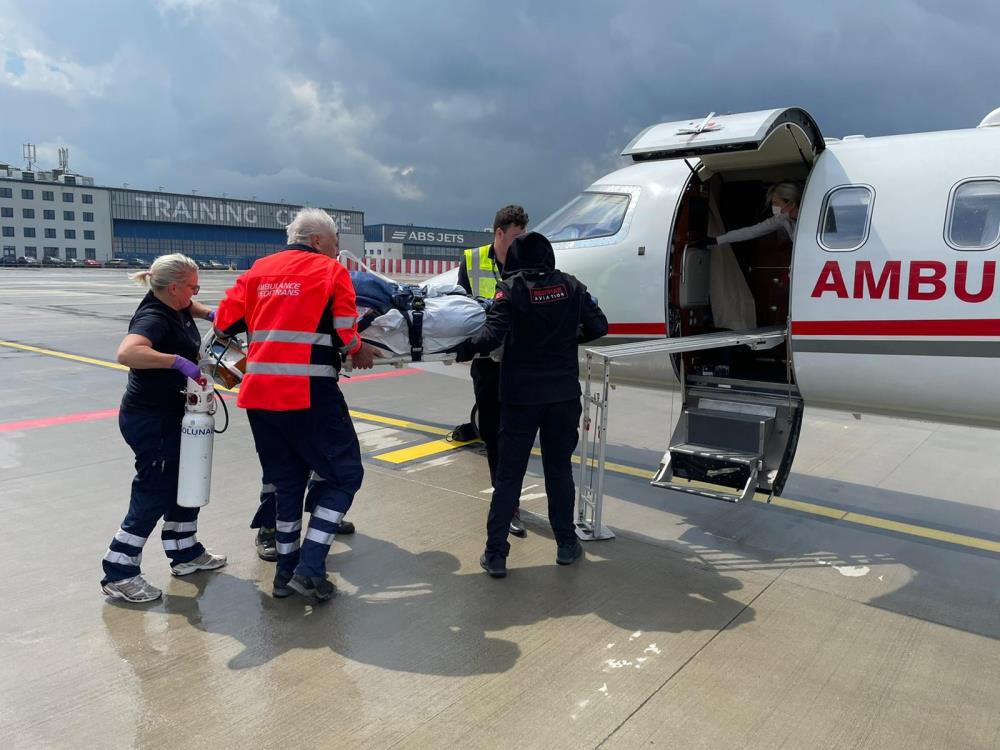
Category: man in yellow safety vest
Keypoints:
(478, 275)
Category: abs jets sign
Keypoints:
(425, 236)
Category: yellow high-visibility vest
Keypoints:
(482, 271)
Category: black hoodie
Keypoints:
(540, 315)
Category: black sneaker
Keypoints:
(313, 587)
(281, 588)
(567, 554)
(517, 525)
(495, 565)
(345, 527)
(267, 549)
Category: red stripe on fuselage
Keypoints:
(964, 327)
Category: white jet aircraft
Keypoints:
(885, 301)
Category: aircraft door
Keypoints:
(742, 410)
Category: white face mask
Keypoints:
(776, 210)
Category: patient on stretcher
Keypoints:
(401, 320)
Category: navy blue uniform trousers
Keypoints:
(155, 438)
(557, 426)
(313, 449)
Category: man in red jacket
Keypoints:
(297, 307)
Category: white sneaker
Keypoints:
(134, 589)
(204, 561)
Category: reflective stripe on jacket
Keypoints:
(482, 271)
(298, 309)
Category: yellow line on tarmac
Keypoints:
(875, 522)
(415, 452)
(924, 532)
(63, 355)
(85, 360)
(402, 423)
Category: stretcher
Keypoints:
(406, 324)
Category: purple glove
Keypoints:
(211, 316)
(187, 368)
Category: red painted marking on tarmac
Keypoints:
(30, 424)
(89, 416)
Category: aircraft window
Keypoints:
(846, 216)
(587, 216)
(974, 215)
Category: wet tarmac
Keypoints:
(861, 612)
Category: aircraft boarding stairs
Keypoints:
(719, 439)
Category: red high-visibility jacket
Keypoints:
(298, 309)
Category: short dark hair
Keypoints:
(510, 215)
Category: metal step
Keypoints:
(729, 438)
(665, 473)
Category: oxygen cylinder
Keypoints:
(194, 475)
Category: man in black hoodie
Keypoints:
(540, 315)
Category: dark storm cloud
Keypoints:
(439, 113)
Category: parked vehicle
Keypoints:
(215, 265)
(24, 260)
(137, 263)
(91, 263)
(116, 263)
(8, 260)
(53, 262)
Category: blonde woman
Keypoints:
(161, 351)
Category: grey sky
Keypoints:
(440, 112)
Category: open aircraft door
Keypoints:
(742, 410)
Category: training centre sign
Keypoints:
(138, 205)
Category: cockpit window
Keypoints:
(974, 215)
(587, 216)
(845, 218)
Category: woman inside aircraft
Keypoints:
(784, 201)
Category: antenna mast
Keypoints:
(30, 156)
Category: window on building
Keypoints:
(50, 234)
(52, 252)
(88, 216)
(9, 250)
(846, 217)
(8, 231)
(6, 192)
(48, 214)
(7, 212)
(29, 231)
(67, 197)
(90, 253)
(88, 234)
(69, 216)
(69, 234)
(88, 198)
(70, 253)
(48, 195)
(974, 215)
(28, 195)
(28, 213)
(30, 251)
